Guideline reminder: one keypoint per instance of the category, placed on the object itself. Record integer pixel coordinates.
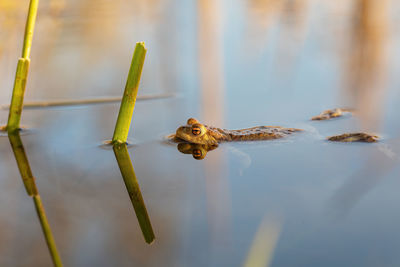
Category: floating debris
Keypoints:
(331, 113)
(354, 137)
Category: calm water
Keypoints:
(300, 201)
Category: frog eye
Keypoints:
(196, 130)
(197, 153)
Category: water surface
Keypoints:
(302, 200)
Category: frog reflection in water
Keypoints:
(198, 151)
(197, 133)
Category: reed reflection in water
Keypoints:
(365, 77)
(31, 189)
(211, 68)
(132, 185)
(365, 72)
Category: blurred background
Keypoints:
(234, 64)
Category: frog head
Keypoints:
(196, 133)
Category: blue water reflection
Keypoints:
(233, 65)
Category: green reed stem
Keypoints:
(29, 27)
(51, 244)
(132, 186)
(14, 116)
(129, 99)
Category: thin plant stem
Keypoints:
(84, 102)
(129, 99)
(51, 244)
(29, 27)
(14, 116)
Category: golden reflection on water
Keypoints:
(262, 249)
(294, 30)
(211, 61)
(73, 39)
(210, 38)
(365, 78)
(262, 14)
(366, 63)
(365, 75)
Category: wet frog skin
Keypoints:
(198, 133)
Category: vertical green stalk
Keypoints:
(29, 27)
(51, 244)
(128, 100)
(132, 186)
(14, 116)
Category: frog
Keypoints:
(197, 133)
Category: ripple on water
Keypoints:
(108, 144)
(22, 131)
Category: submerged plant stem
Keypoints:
(129, 99)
